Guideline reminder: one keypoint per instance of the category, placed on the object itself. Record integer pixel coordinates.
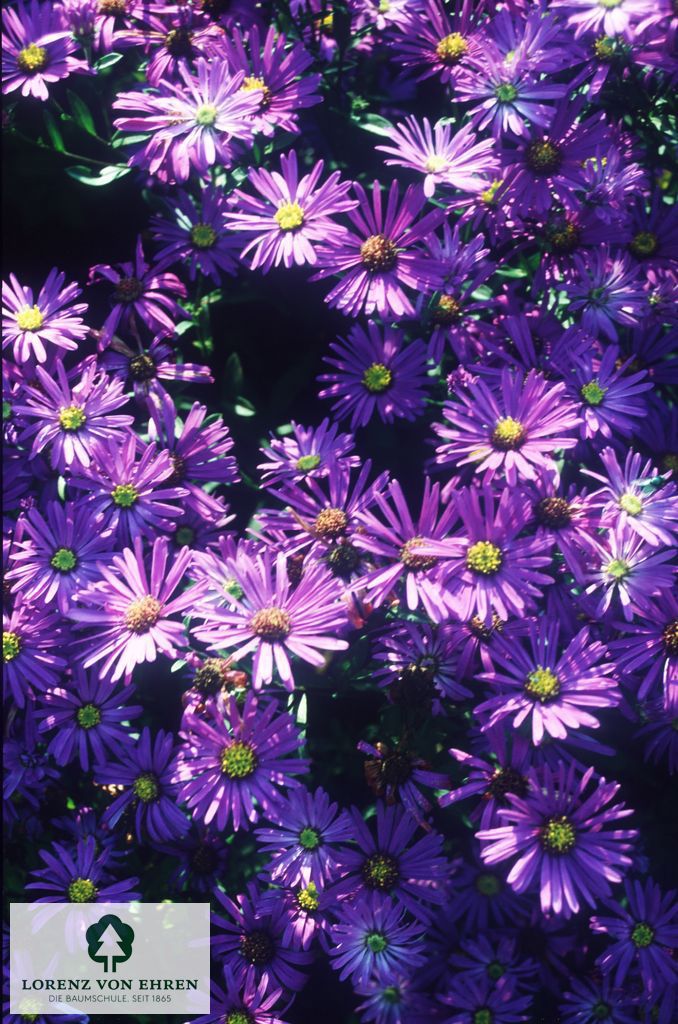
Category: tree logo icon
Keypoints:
(109, 942)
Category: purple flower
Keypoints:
(470, 998)
(196, 237)
(587, 1001)
(418, 659)
(301, 843)
(253, 1002)
(307, 453)
(148, 800)
(201, 859)
(608, 393)
(60, 553)
(28, 768)
(553, 688)
(54, 319)
(232, 757)
(172, 39)
(436, 41)
(649, 647)
(605, 290)
(659, 734)
(372, 936)
(609, 18)
(625, 570)
(140, 291)
(87, 717)
(557, 833)
(30, 638)
(291, 216)
(272, 618)
(36, 50)
(255, 944)
(143, 370)
(375, 370)
(80, 874)
(396, 774)
(481, 899)
(380, 256)
(644, 936)
(194, 124)
(636, 497)
(456, 161)
(70, 419)
(129, 610)
(513, 429)
(492, 776)
(483, 958)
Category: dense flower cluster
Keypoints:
(474, 848)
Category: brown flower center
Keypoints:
(271, 624)
(128, 289)
(553, 512)
(670, 638)
(378, 253)
(142, 368)
(142, 614)
(413, 561)
(257, 948)
(330, 523)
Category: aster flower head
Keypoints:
(31, 325)
(603, 17)
(626, 572)
(558, 834)
(636, 496)
(272, 619)
(512, 429)
(549, 687)
(419, 665)
(396, 773)
(172, 38)
(375, 371)
(68, 418)
(28, 769)
(233, 759)
(248, 1003)
(37, 51)
(79, 874)
(290, 215)
(591, 1000)
(380, 258)
(489, 958)
(144, 369)
(605, 291)
(457, 161)
(476, 1000)
(307, 453)
(371, 936)
(31, 637)
(148, 801)
(196, 237)
(609, 394)
(647, 650)
(130, 609)
(436, 41)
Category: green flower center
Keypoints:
(495, 970)
(558, 835)
(31, 59)
(563, 237)
(642, 935)
(308, 898)
(631, 504)
(206, 114)
(343, 560)
(610, 4)
(601, 1011)
(593, 393)
(72, 418)
(330, 523)
(124, 495)
(308, 462)
(448, 310)
(377, 378)
(309, 838)
(506, 93)
(482, 1016)
(11, 646)
(82, 890)
(29, 319)
(88, 716)
(203, 236)
(63, 560)
(146, 787)
(605, 48)
(670, 638)
(451, 49)
(543, 157)
(271, 624)
(543, 685)
(644, 244)
(289, 216)
(508, 434)
(488, 885)
(238, 760)
(391, 995)
(379, 253)
(618, 569)
(484, 558)
(376, 942)
(413, 561)
(184, 536)
(257, 948)
(239, 1017)
(142, 614)
(380, 872)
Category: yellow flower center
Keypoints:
(250, 83)
(435, 163)
(289, 216)
(32, 58)
(543, 685)
(618, 569)
(543, 157)
(558, 835)
(377, 378)
(488, 196)
(379, 253)
(271, 624)
(142, 614)
(11, 646)
(484, 558)
(203, 236)
(330, 523)
(631, 504)
(29, 319)
(82, 890)
(508, 434)
(72, 418)
(206, 114)
(308, 898)
(451, 49)
(238, 761)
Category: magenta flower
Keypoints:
(37, 50)
(380, 257)
(636, 497)
(292, 215)
(29, 326)
(129, 610)
(608, 18)
(623, 569)
(31, 638)
(307, 453)
(196, 237)
(608, 393)
(605, 291)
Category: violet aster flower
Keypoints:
(127, 492)
(557, 832)
(375, 370)
(194, 123)
(140, 291)
(660, 736)
(493, 775)
(300, 842)
(513, 429)
(604, 17)
(436, 41)
(645, 935)
(605, 291)
(380, 257)
(609, 394)
(636, 496)
(553, 687)
(371, 935)
(273, 75)
(28, 769)
(457, 161)
(291, 216)
(70, 418)
(172, 38)
(36, 50)
(419, 659)
(567, 518)
(149, 793)
(481, 899)
(30, 639)
(253, 940)
(87, 717)
(589, 1000)
(130, 609)
(395, 774)
(30, 325)
(649, 646)
(469, 998)
(395, 543)
(623, 569)
(80, 874)
(253, 1003)
(307, 453)
(59, 553)
(201, 858)
(196, 237)
(144, 369)
(232, 758)
(393, 998)
(272, 618)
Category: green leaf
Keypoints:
(233, 374)
(127, 140)
(107, 61)
(81, 113)
(244, 408)
(105, 176)
(377, 125)
(53, 132)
